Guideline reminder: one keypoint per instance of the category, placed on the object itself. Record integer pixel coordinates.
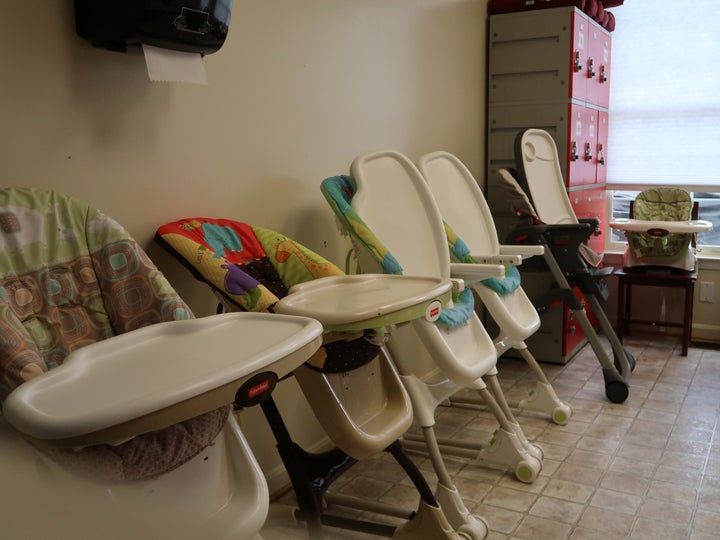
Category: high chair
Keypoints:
(466, 213)
(435, 359)
(661, 233)
(536, 192)
(351, 387)
(661, 229)
(116, 417)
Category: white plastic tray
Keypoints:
(116, 381)
(639, 225)
(362, 301)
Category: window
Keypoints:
(665, 107)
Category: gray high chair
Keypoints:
(116, 416)
(536, 192)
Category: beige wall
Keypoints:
(299, 89)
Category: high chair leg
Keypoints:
(508, 449)
(428, 523)
(543, 398)
(494, 386)
(448, 496)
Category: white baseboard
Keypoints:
(706, 333)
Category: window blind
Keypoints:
(665, 96)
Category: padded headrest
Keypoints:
(661, 204)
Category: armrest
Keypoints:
(593, 222)
(523, 251)
(504, 259)
(159, 375)
(542, 232)
(472, 273)
(458, 285)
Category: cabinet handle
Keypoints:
(588, 152)
(601, 154)
(573, 151)
(591, 69)
(603, 77)
(577, 65)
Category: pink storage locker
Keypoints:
(590, 203)
(601, 151)
(598, 67)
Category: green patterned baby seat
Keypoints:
(661, 204)
(71, 276)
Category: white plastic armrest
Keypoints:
(504, 259)
(523, 251)
(458, 285)
(472, 273)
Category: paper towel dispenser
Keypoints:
(197, 26)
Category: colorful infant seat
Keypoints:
(661, 204)
(251, 268)
(71, 276)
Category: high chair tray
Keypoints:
(639, 225)
(166, 369)
(362, 301)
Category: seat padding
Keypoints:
(71, 276)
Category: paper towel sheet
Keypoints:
(168, 65)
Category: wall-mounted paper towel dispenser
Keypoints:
(197, 26)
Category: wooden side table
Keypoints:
(654, 277)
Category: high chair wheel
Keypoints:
(528, 470)
(616, 391)
(561, 414)
(477, 531)
(630, 359)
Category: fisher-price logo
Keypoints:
(259, 389)
(432, 313)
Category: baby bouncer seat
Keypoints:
(466, 212)
(536, 192)
(661, 228)
(350, 385)
(395, 226)
(116, 402)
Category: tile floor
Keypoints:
(645, 469)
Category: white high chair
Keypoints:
(434, 362)
(360, 402)
(465, 210)
(538, 195)
(116, 415)
(137, 382)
